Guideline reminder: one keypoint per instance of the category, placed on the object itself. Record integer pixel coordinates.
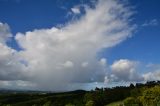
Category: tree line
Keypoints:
(147, 94)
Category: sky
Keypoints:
(78, 44)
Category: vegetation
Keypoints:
(134, 95)
(119, 103)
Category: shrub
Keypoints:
(131, 101)
(151, 96)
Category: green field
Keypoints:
(115, 103)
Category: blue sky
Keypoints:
(144, 45)
(141, 48)
(27, 15)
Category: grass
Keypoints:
(115, 103)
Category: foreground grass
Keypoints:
(115, 103)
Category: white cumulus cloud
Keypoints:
(152, 76)
(125, 70)
(4, 32)
(58, 57)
